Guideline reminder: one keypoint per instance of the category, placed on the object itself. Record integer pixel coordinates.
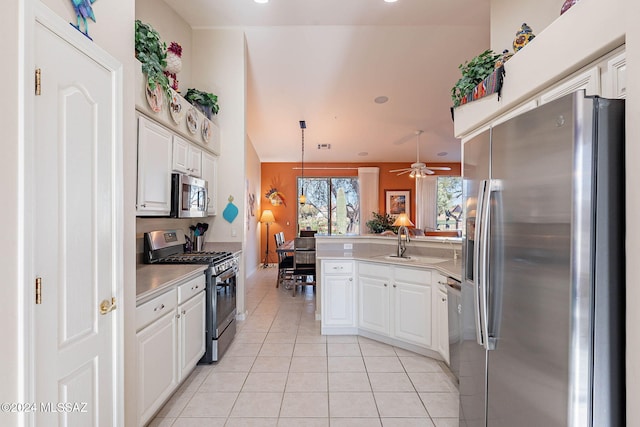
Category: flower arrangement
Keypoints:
(275, 197)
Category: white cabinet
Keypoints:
(441, 319)
(210, 174)
(395, 302)
(617, 76)
(338, 297)
(186, 158)
(374, 284)
(154, 169)
(412, 307)
(170, 342)
(191, 324)
(157, 364)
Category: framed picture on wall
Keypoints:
(398, 202)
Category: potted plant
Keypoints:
(381, 223)
(151, 51)
(473, 72)
(203, 101)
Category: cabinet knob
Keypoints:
(444, 300)
(160, 307)
(395, 286)
(385, 285)
(351, 279)
(144, 205)
(178, 316)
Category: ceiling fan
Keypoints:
(419, 169)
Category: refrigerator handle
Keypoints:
(492, 186)
(479, 267)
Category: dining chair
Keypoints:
(304, 263)
(285, 261)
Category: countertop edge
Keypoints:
(155, 279)
(452, 268)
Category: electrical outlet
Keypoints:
(348, 246)
(234, 232)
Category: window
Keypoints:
(333, 205)
(449, 205)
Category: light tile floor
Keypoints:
(280, 371)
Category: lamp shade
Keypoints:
(402, 220)
(267, 216)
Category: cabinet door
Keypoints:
(192, 323)
(154, 169)
(157, 365)
(194, 162)
(441, 323)
(210, 174)
(180, 158)
(412, 312)
(374, 304)
(338, 300)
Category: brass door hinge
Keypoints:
(38, 82)
(38, 290)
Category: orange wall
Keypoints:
(282, 176)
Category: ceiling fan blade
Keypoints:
(439, 168)
(402, 173)
(400, 170)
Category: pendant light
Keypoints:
(302, 199)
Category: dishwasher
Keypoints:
(455, 328)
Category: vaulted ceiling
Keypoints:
(326, 61)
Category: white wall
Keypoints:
(508, 15)
(252, 226)
(220, 68)
(172, 28)
(11, 386)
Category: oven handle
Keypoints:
(227, 274)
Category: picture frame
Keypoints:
(397, 202)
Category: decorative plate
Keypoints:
(154, 98)
(206, 130)
(192, 120)
(175, 107)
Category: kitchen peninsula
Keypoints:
(365, 290)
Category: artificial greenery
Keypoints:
(473, 72)
(205, 99)
(380, 223)
(151, 51)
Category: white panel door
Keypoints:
(338, 301)
(154, 169)
(192, 331)
(374, 304)
(75, 238)
(413, 313)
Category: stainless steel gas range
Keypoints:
(167, 247)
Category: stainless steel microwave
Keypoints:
(189, 196)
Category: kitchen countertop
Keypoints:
(153, 279)
(451, 267)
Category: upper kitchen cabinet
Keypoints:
(187, 158)
(154, 169)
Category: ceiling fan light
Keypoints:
(412, 174)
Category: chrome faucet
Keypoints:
(402, 244)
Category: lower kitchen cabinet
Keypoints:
(338, 297)
(395, 302)
(157, 364)
(441, 318)
(191, 320)
(170, 342)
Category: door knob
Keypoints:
(107, 306)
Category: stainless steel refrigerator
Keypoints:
(543, 280)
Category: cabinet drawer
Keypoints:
(337, 267)
(154, 309)
(191, 288)
(380, 271)
(413, 275)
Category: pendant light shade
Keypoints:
(302, 199)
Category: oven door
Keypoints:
(189, 196)
(225, 300)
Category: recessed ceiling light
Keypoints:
(442, 153)
(261, 1)
(381, 99)
(390, 1)
(363, 153)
